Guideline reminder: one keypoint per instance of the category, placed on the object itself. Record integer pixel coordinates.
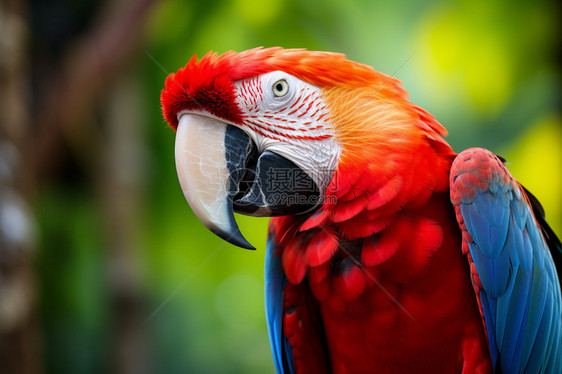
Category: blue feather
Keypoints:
(501, 311)
(494, 273)
(488, 218)
(489, 314)
(275, 281)
(536, 310)
(515, 319)
(540, 348)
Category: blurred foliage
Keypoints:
(485, 69)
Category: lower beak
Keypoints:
(220, 171)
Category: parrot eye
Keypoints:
(280, 88)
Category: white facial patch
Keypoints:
(285, 115)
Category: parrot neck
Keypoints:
(369, 204)
(393, 154)
(393, 160)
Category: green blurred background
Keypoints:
(112, 272)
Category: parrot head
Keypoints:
(273, 132)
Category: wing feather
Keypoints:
(514, 274)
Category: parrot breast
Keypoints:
(381, 261)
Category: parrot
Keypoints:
(387, 252)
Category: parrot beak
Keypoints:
(206, 152)
(221, 172)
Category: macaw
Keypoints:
(387, 251)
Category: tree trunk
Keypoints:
(120, 177)
(19, 342)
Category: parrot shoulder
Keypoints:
(510, 250)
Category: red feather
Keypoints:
(321, 248)
(294, 262)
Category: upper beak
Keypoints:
(202, 147)
(220, 171)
